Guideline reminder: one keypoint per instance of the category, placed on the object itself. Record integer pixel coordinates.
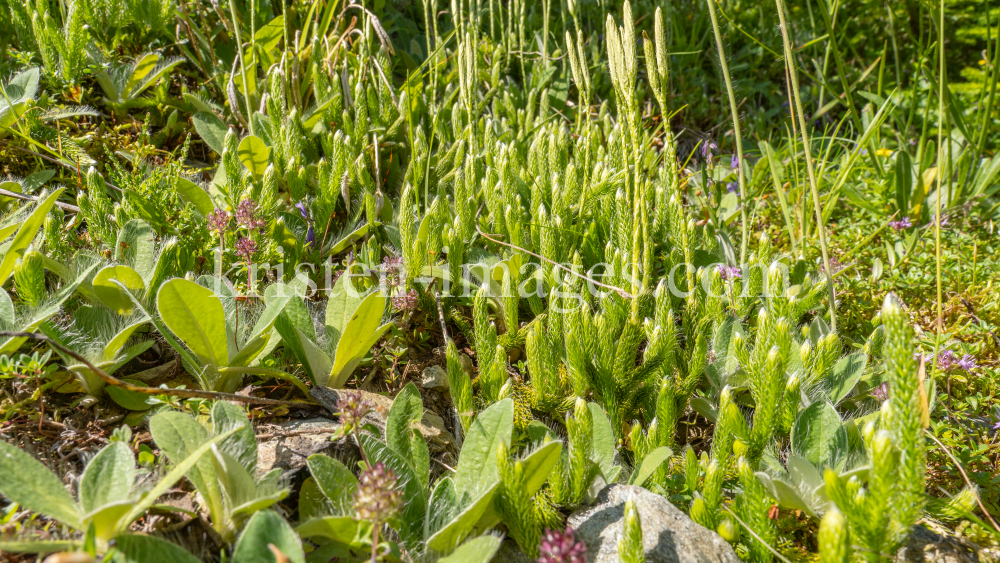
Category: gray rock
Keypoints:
(668, 535)
(288, 445)
(434, 377)
(929, 546)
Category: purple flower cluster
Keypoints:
(561, 547)
(729, 272)
(218, 221)
(246, 247)
(377, 499)
(406, 302)
(903, 223)
(948, 361)
(246, 215)
(732, 187)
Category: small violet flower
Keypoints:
(968, 363)
(732, 187)
(734, 163)
(947, 360)
(903, 223)
(304, 211)
(729, 272)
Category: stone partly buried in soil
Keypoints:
(668, 535)
(287, 445)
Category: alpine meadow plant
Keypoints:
(881, 513)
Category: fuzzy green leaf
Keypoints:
(134, 548)
(360, 333)
(818, 434)
(477, 550)
(477, 462)
(195, 315)
(649, 465)
(25, 234)
(254, 154)
(334, 480)
(845, 375)
(24, 480)
(112, 294)
(264, 528)
(407, 409)
(108, 477)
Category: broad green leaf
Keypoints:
(649, 465)
(340, 308)
(113, 349)
(351, 238)
(254, 154)
(25, 234)
(277, 297)
(267, 528)
(237, 483)
(178, 434)
(604, 442)
(441, 505)
(176, 473)
(109, 520)
(803, 472)
(192, 193)
(334, 480)
(461, 524)
(142, 67)
(112, 294)
(295, 326)
(845, 375)
(245, 355)
(320, 363)
(24, 480)
(312, 502)
(22, 87)
(243, 444)
(129, 399)
(108, 477)
(7, 312)
(211, 129)
(818, 434)
(341, 529)
(134, 548)
(136, 245)
(477, 462)
(195, 315)
(476, 550)
(360, 334)
(538, 464)
(406, 410)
